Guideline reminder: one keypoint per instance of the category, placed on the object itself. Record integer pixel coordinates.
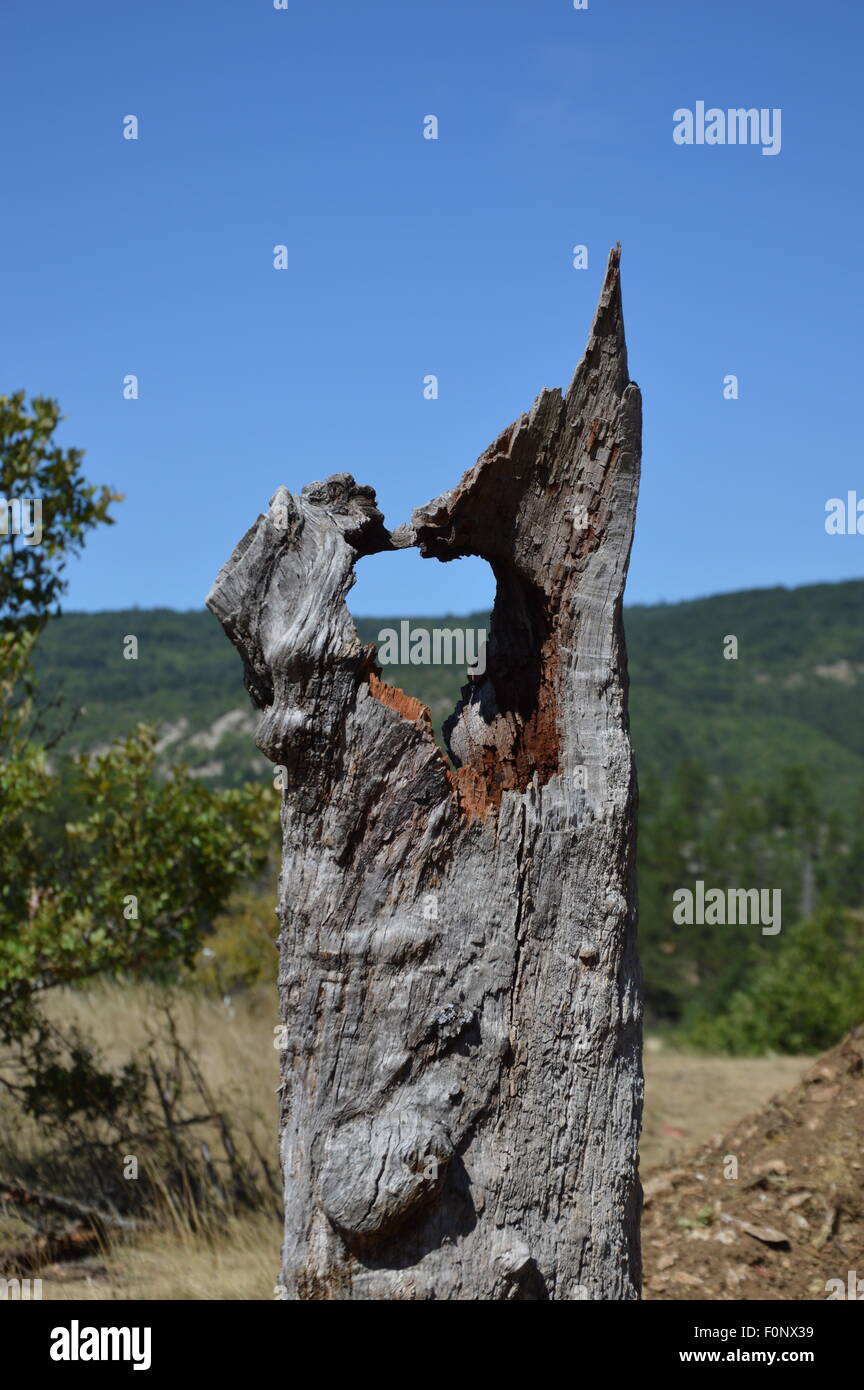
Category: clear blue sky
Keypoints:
(407, 256)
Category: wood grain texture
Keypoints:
(459, 983)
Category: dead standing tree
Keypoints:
(459, 984)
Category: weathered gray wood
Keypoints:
(459, 984)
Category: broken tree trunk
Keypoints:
(459, 984)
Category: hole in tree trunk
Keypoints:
(428, 622)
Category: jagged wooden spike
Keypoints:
(458, 981)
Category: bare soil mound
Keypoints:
(775, 1208)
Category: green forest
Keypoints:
(751, 772)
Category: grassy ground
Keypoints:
(232, 1044)
(688, 1100)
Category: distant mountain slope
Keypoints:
(794, 695)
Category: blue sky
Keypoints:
(409, 257)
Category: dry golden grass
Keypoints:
(239, 1262)
(688, 1099)
(232, 1044)
(232, 1041)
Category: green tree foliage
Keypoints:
(33, 466)
(802, 1000)
(721, 983)
(104, 866)
(793, 697)
(241, 951)
(133, 883)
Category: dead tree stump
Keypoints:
(459, 983)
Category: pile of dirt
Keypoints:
(775, 1208)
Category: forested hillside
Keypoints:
(751, 776)
(792, 696)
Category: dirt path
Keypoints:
(689, 1099)
(772, 1208)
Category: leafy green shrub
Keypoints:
(133, 884)
(241, 951)
(805, 1000)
